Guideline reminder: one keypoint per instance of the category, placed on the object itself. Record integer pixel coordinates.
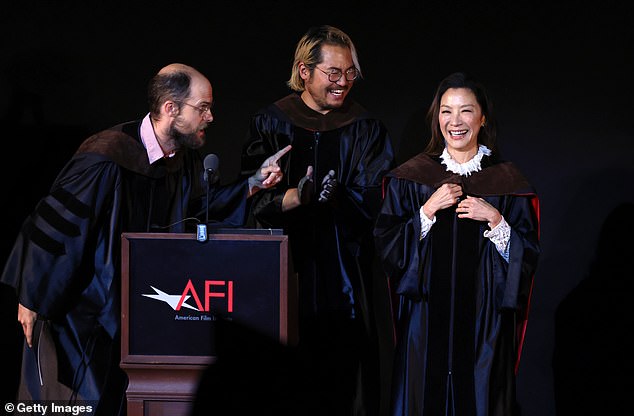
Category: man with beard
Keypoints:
(327, 204)
(140, 176)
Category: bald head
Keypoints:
(176, 68)
(174, 82)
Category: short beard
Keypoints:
(190, 140)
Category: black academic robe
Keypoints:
(330, 243)
(65, 263)
(461, 309)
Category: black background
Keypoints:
(559, 74)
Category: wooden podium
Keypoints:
(175, 289)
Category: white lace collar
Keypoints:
(467, 168)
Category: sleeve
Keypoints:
(226, 204)
(263, 141)
(500, 235)
(397, 237)
(523, 251)
(371, 157)
(52, 262)
(425, 223)
(523, 218)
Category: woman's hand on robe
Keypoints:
(447, 195)
(478, 209)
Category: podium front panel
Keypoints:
(176, 288)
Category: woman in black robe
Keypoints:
(458, 234)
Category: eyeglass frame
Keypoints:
(201, 111)
(335, 71)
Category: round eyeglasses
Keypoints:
(335, 75)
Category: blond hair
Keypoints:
(308, 51)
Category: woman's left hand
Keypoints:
(478, 209)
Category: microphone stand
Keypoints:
(209, 171)
(202, 228)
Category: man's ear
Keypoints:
(304, 71)
(170, 108)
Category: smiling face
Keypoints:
(460, 119)
(320, 94)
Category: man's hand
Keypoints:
(27, 318)
(328, 187)
(302, 195)
(306, 187)
(269, 173)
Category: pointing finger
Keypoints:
(280, 153)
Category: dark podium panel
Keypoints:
(176, 289)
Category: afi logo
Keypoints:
(209, 284)
(212, 289)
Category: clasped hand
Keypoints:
(478, 209)
(328, 187)
(472, 207)
(306, 187)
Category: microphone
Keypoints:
(211, 163)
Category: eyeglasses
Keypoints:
(334, 75)
(202, 109)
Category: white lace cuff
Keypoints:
(425, 224)
(500, 235)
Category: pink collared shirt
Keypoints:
(148, 137)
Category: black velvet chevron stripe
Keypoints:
(40, 238)
(71, 203)
(51, 216)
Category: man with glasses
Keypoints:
(140, 176)
(327, 205)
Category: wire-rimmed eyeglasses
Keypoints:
(335, 75)
(202, 109)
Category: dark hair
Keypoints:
(487, 135)
(172, 86)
